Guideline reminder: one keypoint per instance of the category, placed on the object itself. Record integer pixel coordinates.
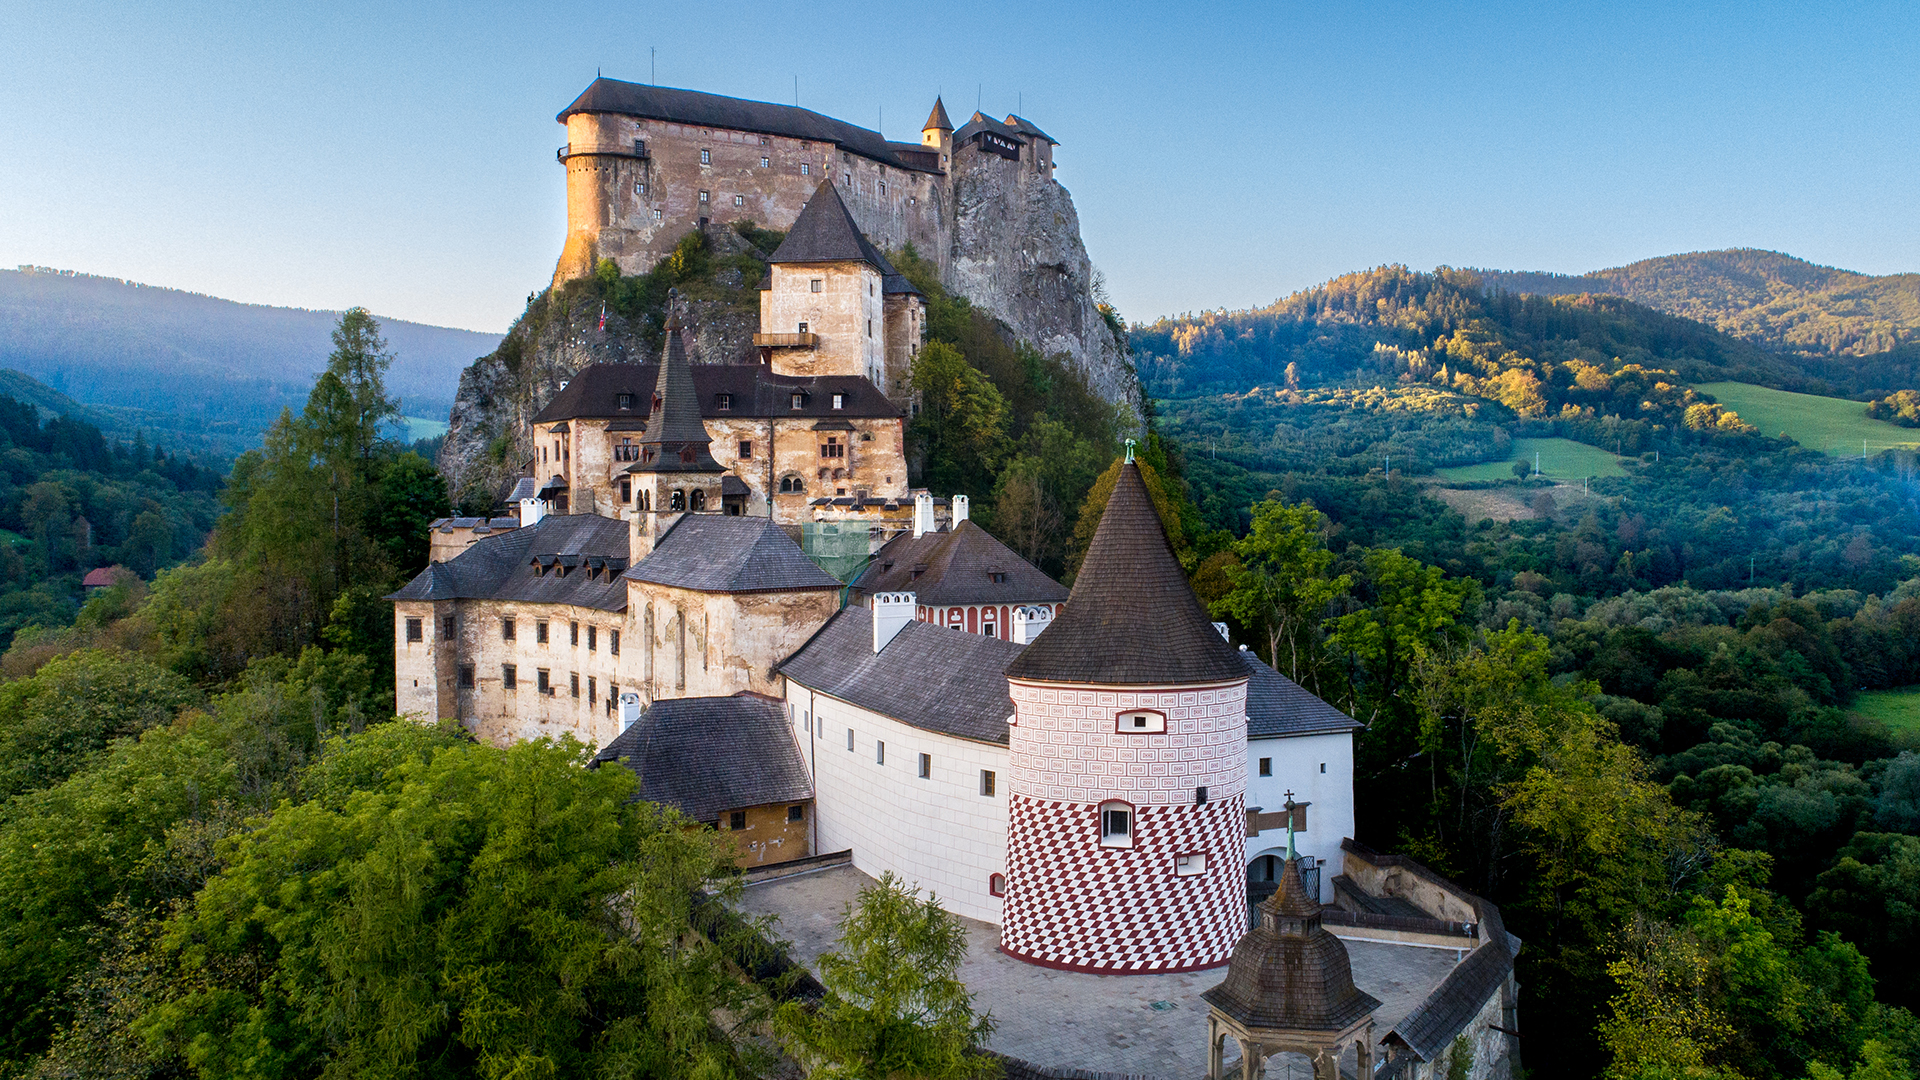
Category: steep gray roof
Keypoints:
(719, 553)
(938, 117)
(1131, 619)
(928, 676)
(735, 114)
(1278, 706)
(980, 122)
(751, 390)
(706, 756)
(675, 439)
(956, 567)
(825, 232)
(563, 559)
(1290, 972)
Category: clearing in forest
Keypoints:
(1561, 459)
(1898, 709)
(1834, 425)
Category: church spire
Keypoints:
(676, 440)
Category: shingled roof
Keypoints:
(724, 554)
(751, 390)
(1026, 127)
(825, 232)
(1289, 972)
(706, 756)
(1131, 618)
(563, 559)
(928, 676)
(980, 122)
(957, 567)
(699, 109)
(937, 119)
(675, 439)
(1278, 707)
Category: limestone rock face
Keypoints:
(1017, 255)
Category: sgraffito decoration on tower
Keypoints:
(1127, 807)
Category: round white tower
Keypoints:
(1126, 810)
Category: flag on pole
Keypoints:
(603, 315)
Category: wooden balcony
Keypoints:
(786, 341)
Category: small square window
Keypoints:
(739, 200)
(986, 781)
(764, 162)
(803, 328)
(540, 632)
(997, 884)
(639, 187)
(805, 169)
(796, 813)
(706, 157)
(1190, 865)
(466, 676)
(509, 677)
(1266, 766)
(815, 284)
(506, 629)
(1116, 825)
(413, 630)
(839, 401)
(879, 753)
(737, 820)
(573, 684)
(926, 766)
(723, 403)
(746, 449)
(705, 198)
(658, 213)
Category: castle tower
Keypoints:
(676, 473)
(937, 133)
(1126, 830)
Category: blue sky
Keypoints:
(400, 156)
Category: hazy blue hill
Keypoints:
(1766, 297)
(214, 371)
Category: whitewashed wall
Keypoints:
(1297, 763)
(939, 833)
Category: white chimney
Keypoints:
(892, 611)
(1028, 622)
(531, 511)
(922, 514)
(1221, 629)
(629, 709)
(959, 510)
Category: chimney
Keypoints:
(1028, 622)
(531, 511)
(629, 709)
(959, 510)
(922, 514)
(1221, 629)
(892, 611)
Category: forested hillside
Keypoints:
(212, 374)
(1766, 297)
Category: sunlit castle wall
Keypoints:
(1172, 896)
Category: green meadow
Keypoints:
(1834, 425)
(1560, 459)
(1898, 709)
(418, 428)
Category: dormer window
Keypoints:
(799, 400)
(839, 401)
(623, 401)
(723, 403)
(998, 577)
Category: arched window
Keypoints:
(678, 501)
(1116, 824)
(697, 501)
(646, 499)
(791, 484)
(997, 884)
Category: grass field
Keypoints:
(1834, 425)
(1561, 459)
(418, 429)
(1898, 709)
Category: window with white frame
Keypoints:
(706, 157)
(1190, 865)
(805, 169)
(814, 284)
(1116, 824)
(1141, 722)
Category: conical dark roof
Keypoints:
(937, 119)
(675, 439)
(1131, 619)
(825, 232)
(1290, 972)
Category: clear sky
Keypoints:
(401, 156)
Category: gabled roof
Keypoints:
(723, 554)
(706, 756)
(1026, 127)
(699, 109)
(752, 390)
(980, 122)
(1277, 706)
(930, 677)
(937, 119)
(1131, 619)
(563, 559)
(957, 567)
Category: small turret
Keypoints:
(676, 472)
(937, 132)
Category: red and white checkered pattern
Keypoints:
(1074, 904)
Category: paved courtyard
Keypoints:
(1142, 1024)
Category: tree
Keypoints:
(54, 721)
(893, 1007)
(1280, 586)
(962, 424)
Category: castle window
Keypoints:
(627, 450)
(849, 738)
(540, 632)
(737, 820)
(723, 403)
(590, 691)
(833, 447)
(1116, 824)
(803, 328)
(573, 634)
(413, 630)
(839, 401)
(509, 677)
(986, 781)
(677, 501)
(697, 501)
(796, 813)
(706, 158)
(1200, 795)
(869, 327)
(765, 141)
(792, 485)
(1190, 865)
(1266, 766)
(658, 213)
(746, 449)
(799, 399)
(997, 884)
(593, 639)
(639, 146)
(705, 198)
(573, 684)
(805, 168)
(613, 646)
(623, 401)
(739, 200)
(880, 753)
(998, 577)
(988, 628)
(545, 681)
(506, 629)
(1323, 766)
(626, 490)
(764, 162)
(883, 189)
(926, 766)
(466, 676)
(814, 286)
(639, 187)
(1141, 722)
(446, 628)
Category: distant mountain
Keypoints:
(214, 372)
(1766, 297)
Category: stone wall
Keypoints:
(846, 313)
(696, 644)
